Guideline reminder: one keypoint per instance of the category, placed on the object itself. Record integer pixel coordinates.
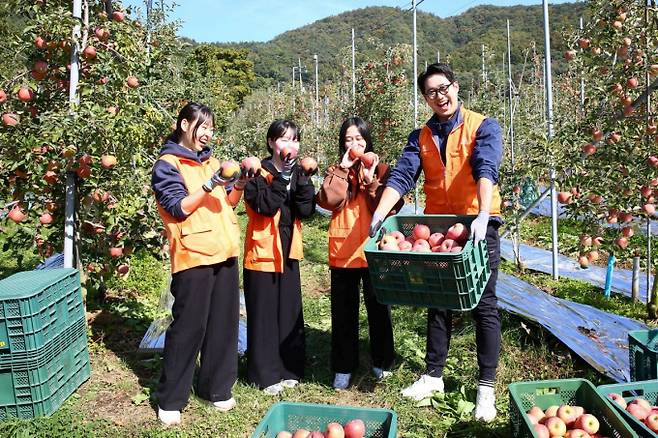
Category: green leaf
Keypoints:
(142, 396)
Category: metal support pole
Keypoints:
(301, 83)
(353, 72)
(647, 81)
(438, 56)
(635, 280)
(511, 97)
(548, 84)
(582, 81)
(317, 93)
(484, 74)
(415, 49)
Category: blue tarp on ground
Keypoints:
(541, 260)
(600, 338)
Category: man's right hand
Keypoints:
(375, 224)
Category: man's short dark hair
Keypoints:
(435, 69)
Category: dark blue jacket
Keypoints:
(166, 181)
(485, 161)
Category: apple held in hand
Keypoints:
(287, 153)
(355, 429)
(354, 154)
(251, 165)
(309, 165)
(368, 159)
(229, 169)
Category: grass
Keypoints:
(116, 402)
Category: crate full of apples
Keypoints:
(306, 420)
(638, 404)
(570, 408)
(428, 261)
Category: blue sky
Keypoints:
(262, 20)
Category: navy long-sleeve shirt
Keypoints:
(485, 160)
(167, 182)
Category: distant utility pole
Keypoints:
(301, 84)
(511, 96)
(317, 93)
(484, 73)
(438, 56)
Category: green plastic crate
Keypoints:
(580, 392)
(452, 281)
(36, 306)
(647, 389)
(642, 354)
(380, 423)
(28, 392)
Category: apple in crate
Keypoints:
(301, 433)
(334, 430)
(355, 429)
(542, 431)
(617, 398)
(405, 245)
(446, 245)
(421, 231)
(567, 414)
(536, 412)
(421, 245)
(388, 243)
(638, 411)
(577, 433)
(556, 426)
(587, 422)
(652, 421)
(551, 411)
(457, 232)
(398, 236)
(435, 239)
(284, 434)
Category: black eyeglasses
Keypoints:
(433, 93)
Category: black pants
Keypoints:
(487, 323)
(345, 283)
(206, 310)
(276, 343)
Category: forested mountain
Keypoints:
(459, 39)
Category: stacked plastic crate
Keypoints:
(43, 341)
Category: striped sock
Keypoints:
(485, 382)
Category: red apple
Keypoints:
(446, 245)
(399, 237)
(456, 248)
(627, 231)
(632, 83)
(597, 134)
(284, 434)
(40, 43)
(334, 430)
(626, 217)
(645, 191)
(229, 169)
(388, 243)
(123, 269)
(368, 159)
(89, 52)
(251, 165)
(46, 219)
(567, 414)
(16, 214)
(585, 240)
(421, 245)
(584, 262)
(649, 209)
(40, 66)
(102, 34)
(25, 94)
(564, 197)
(551, 411)
(83, 172)
(421, 231)
(108, 161)
(638, 411)
(577, 433)
(617, 24)
(642, 402)
(10, 119)
(622, 242)
(583, 43)
(405, 245)
(118, 16)
(309, 165)
(536, 412)
(587, 422)
(435, 239)
(653, 161)
(542, 431)
(556, 426)
(50, 177)
(354, 154)
(288, 152)
(589, 149)
(355, 429)
(458, 232)
(116, 251)
(132, 82)
(569, 55)
(316, 434)
(652, 421)
(593, 256)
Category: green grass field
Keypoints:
(115, 401)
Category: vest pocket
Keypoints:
(263, 248)
(200, 236)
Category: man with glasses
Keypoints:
(459, 151)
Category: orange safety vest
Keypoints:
(262, 246)
(451, 188)
(348, 233)
(210, 234)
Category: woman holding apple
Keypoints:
(275, 201)
(351, 191)
(203, 234)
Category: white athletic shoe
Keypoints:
(168, 418)
(224, 405)
(423, 387)
(342, 380)
(273, 389)
(485, 405)
(289, 383)
(381, 374)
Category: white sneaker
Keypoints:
(423, 387)
(485, 405)
(289, 383)
(168, 418)
(342, 380)
(224, 405)
(273, 389)
(381, 374)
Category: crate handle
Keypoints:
(548, 390)
(635, 392)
